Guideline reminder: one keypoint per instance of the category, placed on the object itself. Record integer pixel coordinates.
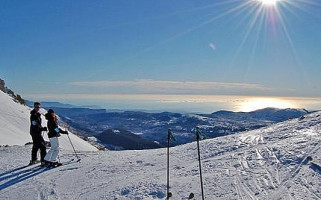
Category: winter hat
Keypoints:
(51, 111)
(48, 114)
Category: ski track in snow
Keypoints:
(268, 163)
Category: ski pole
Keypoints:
(73, 148)
(78, 159)
(168, 140)
(199, 158)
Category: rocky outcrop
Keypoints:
(2, 85)
(16, 97)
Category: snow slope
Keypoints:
(269, 163)
(15, 124)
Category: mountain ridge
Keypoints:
(153, 126)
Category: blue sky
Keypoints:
(183, 47)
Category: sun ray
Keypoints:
(287, 7)
(191, 29)
(245, 13)
(305, 10)
(219, 16)
(257, 12)
(248, 32)
(292, 46)
(241, 15)
(216, 4)
(313, 3)
(256, 40)
(229, 11)
(287, 34)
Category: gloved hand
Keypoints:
(44, 129)
(65, 132)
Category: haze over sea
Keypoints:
(181, 103)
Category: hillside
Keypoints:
(268, 163)
(15, 124)
(122, 139)
(153, 126)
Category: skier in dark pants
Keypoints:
(35, 132)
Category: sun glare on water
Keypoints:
(252, 104)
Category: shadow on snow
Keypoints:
(15, 176)
(315, 167)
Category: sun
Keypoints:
(269, 2)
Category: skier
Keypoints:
(53, 134)
(35, 132)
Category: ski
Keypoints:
(53, 167)
(64, 163)
(43, 167)
(34, 169)
(71, 161)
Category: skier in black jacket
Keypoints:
(53, 134)
(35, 132)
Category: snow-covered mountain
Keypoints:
(15, 124)
(118, 139)
(153, 126)
(268, 163)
